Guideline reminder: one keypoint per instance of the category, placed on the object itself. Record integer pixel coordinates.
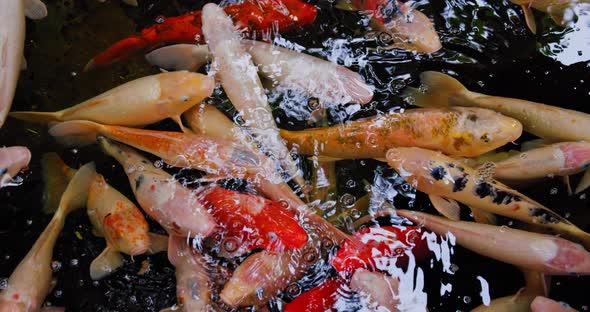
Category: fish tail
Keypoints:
(75, 133)
(439, 89)
(76, 193)
(36, 117)
(107, 262)
(584, 182)
(121, 50)
(56, 176)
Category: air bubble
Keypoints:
(160, 19)
(3, 283)
(467, 299)
(347, 200)
(553, 191)
(74, 263)
(293, 290)
(230, 244)
(55, 266)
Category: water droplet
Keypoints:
(310, 257)
(327, 243)
(58, 293)
(284, 203)
(159, 164)
(355, 214)
(350, 183)
(467, 299)
(55, 266)
(160, 19)
(74, 263)
(347, 200)
(230, 244)
(553, 191)
(583, 196)
(454, 268)
(29, 222)
(3, 283)
(293, 290)
(74, 151)
(503, 228)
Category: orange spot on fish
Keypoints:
(15, 296)
(152, 187)
(516, 207)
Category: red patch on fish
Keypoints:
(15, 296)
(575, 155)
(152, 187)
(318, 299)
(255, 221)
(370, 246)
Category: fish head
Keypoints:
(425, 170)
(185, 88)
(126, 230)
(410, 29)
(480, 130)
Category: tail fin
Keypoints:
(56, 176)
(439, 89)
(107, 262)
(36, 117)
(75, 133)
(76, 193)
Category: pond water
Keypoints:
(486, 45)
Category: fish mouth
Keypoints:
(138, 250)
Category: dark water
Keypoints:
(487, 46)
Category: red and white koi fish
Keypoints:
(136, 103)
(30, 282)
(242, 85)
(255, 222)
(555, 8)
(318, 299)
(438, 175)
(172, 205)
(379, 288)
(263, 275)
(456, 131)
(12, 42)
(121, 223)
(548, 122)
(332, 83)
(544, 304)
(409, 28)
(538, 252)
(12, 160)
(193, 283)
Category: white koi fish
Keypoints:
(12, 160)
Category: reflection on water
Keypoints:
(571, 44)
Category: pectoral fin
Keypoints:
(529, 18)
(106, 263)
(345, 5)
(584, 183)
(446, 207)
(158, 243)
(35, 9)
(484, 217)
(568, 185)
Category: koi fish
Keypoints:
(560, 159)
(544, 304)
(380, 288)
(548, 122)
(136, 103)
(12, 41)
(30, 282)
(435, 174)
(409, 28)
(374, 248)
(120, 222)
(56, 176)
(12, 160)
(176, 208)
(209, 121)
(254, 220)
(193, 283)
(332, 83)
(263, 275)
(242, 85)
(521, 301)
(177, 149)
(555, 9)
(254, 16)
(457, 131)
(538, 252)
(318, 299)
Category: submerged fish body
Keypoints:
(538, 252)
(240, 81)
(167, 201)
(548, 122)
(259, 17)
(136, 103)
(12, 42)
(458, 131)
(380, 288)
(12, 160)
(409, 28)
(435, 174)
(560, 159)
(30, 282)
(193, 283)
